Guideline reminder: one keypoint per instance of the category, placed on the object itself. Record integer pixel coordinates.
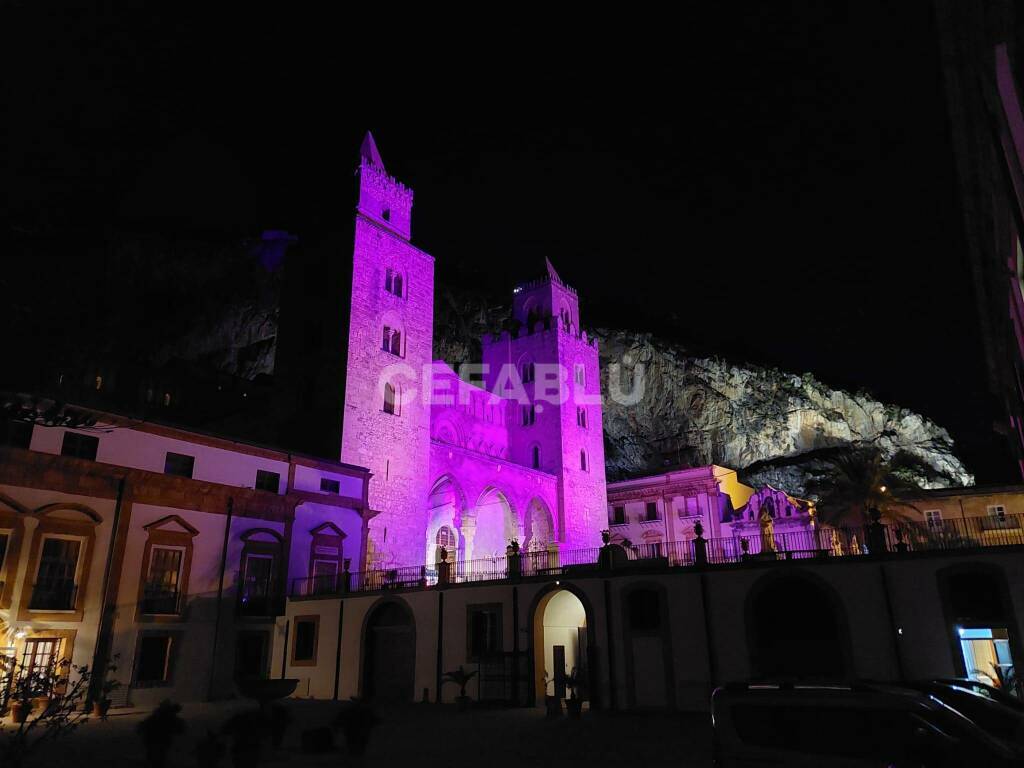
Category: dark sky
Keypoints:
(772, 182)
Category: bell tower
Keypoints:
(386, 424)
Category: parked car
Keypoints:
(993, 716)
(841, 726)
(983, 689)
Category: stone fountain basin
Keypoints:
(263, 689)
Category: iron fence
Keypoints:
(818, 542)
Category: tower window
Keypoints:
(581, 417)
(651, 510)
(386, 214)
(583, 460)
(529, 414)
(535, 457)
(618, 515)
(580, 375)
(528, 373)
(389, 399)
(393, 282)
(391, 341)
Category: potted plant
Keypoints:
(20, 703)
(159, 730)
(101, 704)
(575, 681)
(552, 704)
(461, 678)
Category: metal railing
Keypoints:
(58, 595)
(260, 599)
(157, 600)
(758, 546)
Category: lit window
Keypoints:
(933, 517)
(997, 511)
(99, 383)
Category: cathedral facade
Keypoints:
(465, 464)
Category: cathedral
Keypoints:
(513, 454)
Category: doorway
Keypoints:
(561, 646)
(389, 654)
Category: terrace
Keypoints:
(879, 539)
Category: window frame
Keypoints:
(313, 619)
(268, 473)
(170, 657)
(474, 609)
(177, 457)
(79, 438)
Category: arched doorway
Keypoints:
(795, 630)
(561, 645)
(389, 653)
(444, 519)
(495, 526)
(539, 527)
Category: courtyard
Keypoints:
(424, 734)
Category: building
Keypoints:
(166, 550)
(518, 454)
(982, 69)
(977, 510)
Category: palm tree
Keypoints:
(854, 481)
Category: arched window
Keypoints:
(528, 373)
(581, 416)
(389, 281)
(535, 457)
(391, 341)
(583, 460)
(398, 286)
(389, 398)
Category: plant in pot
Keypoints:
(101, 704)
(461, 678)
(552, 703)
(575, 681)
(159, 730)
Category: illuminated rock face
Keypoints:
(456, 465)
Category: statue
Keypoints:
(767, 531)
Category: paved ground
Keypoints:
(426, 736)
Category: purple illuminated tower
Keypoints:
(390, 340)
(560, 429)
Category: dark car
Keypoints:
(996, 694)
(996, 718)
(842, 726)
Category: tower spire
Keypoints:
(368, 151)
(551, 271)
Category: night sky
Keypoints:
(772, 183)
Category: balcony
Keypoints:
(59, 595)
(260, 599)
(157, 600)
(1003, 523)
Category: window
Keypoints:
(535, 457)
(257, 596)
(389, 398)
(161, 593)
(306, 629)
(40, 657)
(330, 486)
(997, 511)
(580, 374)
(581, 416)
(644, 610)
(986, 652)
(386, 214)
(153, 664)
(55, 588)
(529, 414)
(651, 510)
(179, 465)
(484, 631)
(529, 372)
(267, 481)
(391, 340)
(393, 283)
(80, 446)
(583, 460)
(933, 517)
(618, 515)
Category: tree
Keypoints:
(62, 713)
(853, 481)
